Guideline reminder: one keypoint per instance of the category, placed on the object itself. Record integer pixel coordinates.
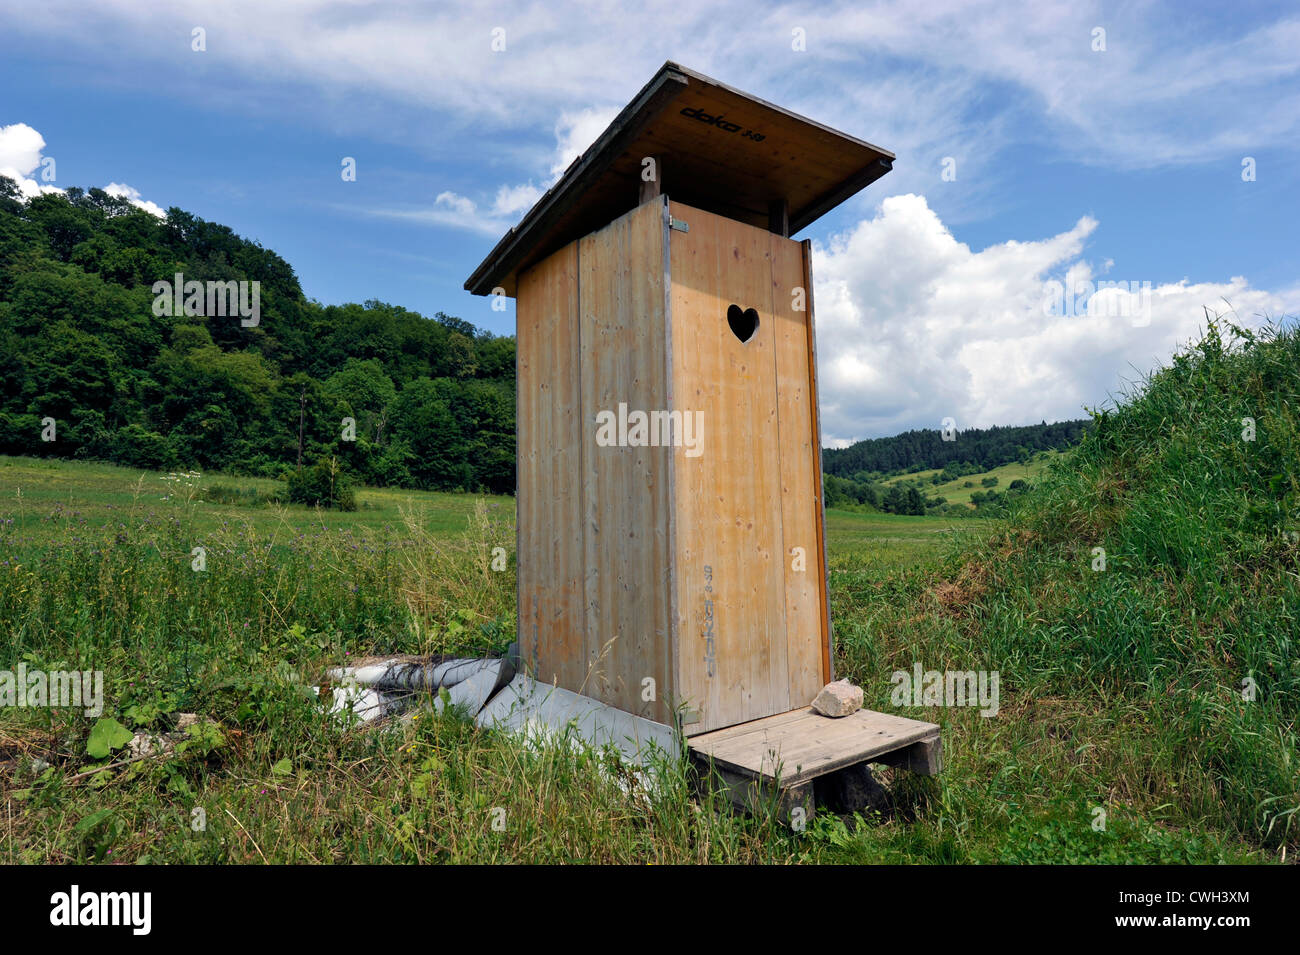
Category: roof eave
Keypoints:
(506, 255)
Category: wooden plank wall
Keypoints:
(594, 522)
(614, 542)
(626, 490)
(552, 633)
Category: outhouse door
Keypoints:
(750, 601)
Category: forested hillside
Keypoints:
(969, 452)
(80, 343)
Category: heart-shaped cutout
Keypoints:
(743, 323)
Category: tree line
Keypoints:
(856, 475)
(965, 452)
(88, 368)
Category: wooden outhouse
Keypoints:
(671, 548)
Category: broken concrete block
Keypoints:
(538, 711)
(840, 698)
(149, 744)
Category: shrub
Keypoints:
(322, 485)
(243, 496)
(137, 447)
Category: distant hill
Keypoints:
(981, 448)
(248, 375)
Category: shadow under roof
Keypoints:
(716, 149)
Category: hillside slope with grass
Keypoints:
(1193, 491)
(1158, 689)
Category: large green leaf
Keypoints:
(105, 736)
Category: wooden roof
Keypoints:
(718, 149)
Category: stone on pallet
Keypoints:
(837, 699)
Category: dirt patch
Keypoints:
(955, 596)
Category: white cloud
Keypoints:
(21, 149)
(450, 210)
(952, 77)
(1168, 88)
(967, 79)
(574, 132)
(22, 152)
(973, 80)
(913, 327)
(515, 200)
(122, 191)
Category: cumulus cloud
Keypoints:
(22, 152)
(122, 191)
(914, 327)
(21, 149)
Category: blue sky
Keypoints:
(1071, 161)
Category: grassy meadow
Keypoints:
(956, 491)
(1121, 689)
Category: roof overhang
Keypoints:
(716, 148)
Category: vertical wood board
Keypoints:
(800, 463)
(626, 509)
(549, 554)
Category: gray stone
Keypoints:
(148, 744)
(837, 699)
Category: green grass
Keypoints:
(1120, 688)
(102, 492)
(889, 542)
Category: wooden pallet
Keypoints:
(781, 756)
